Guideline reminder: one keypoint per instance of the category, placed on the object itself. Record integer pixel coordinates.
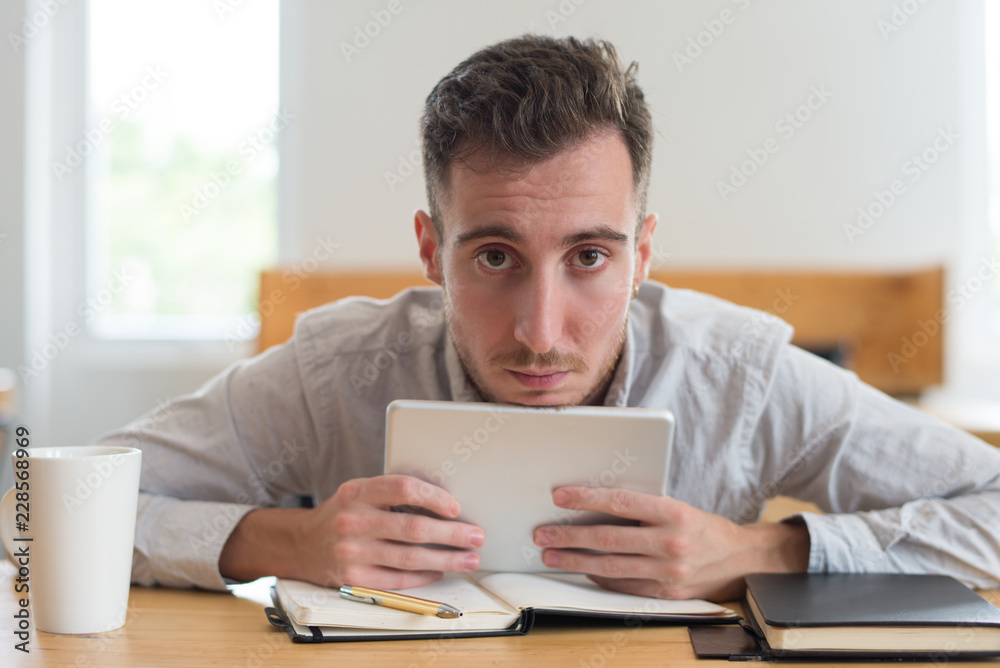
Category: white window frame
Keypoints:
(991, 24)
(71, 243)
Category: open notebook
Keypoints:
(491, 603)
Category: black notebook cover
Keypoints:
(863, 600)
(868, 599)
(315, 634)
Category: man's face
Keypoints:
(538, 272)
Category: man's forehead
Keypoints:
(591, 182)
(603, 144)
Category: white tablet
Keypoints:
(502, 463)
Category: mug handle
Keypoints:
(7, 530)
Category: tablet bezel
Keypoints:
(480, 452)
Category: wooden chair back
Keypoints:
(886, 325)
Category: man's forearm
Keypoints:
(764, 548)
(263, 543)
(779, 548)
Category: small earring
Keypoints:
(635, 290)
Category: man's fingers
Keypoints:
(405, 557)
(412, 528)
(650, 588)
(365, 521)
(619, 502)
(613, 566)
(386, 491)
(600, 537)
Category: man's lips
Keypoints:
(539, 380)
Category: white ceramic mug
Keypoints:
(81, 504)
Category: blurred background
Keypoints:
(158, 155)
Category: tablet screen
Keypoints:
(502, 462)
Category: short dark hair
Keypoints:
(526, 99)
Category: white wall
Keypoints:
(11, 191)
(889, 98)
(355, 121)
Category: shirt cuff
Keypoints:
(842, 543)
(178, 543)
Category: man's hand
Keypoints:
(677, 551)
(354, 538)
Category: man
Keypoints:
(537, 158)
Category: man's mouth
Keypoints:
(539, 380)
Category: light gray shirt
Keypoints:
(901, 491)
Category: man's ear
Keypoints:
(427, 241)
(644, 249)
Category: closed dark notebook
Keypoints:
(880, 614)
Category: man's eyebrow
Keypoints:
(490, 231)
(599, 233)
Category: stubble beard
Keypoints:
(524, 357)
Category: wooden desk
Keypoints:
(168, 627)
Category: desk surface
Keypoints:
(168, 627)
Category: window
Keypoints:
(183, 131)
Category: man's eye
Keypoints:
(591, 259)
(494, 258)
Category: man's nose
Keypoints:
(539, 315)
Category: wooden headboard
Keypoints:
(883, 323)
(285, 294)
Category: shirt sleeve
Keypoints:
(242, 441)
(901, 490)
